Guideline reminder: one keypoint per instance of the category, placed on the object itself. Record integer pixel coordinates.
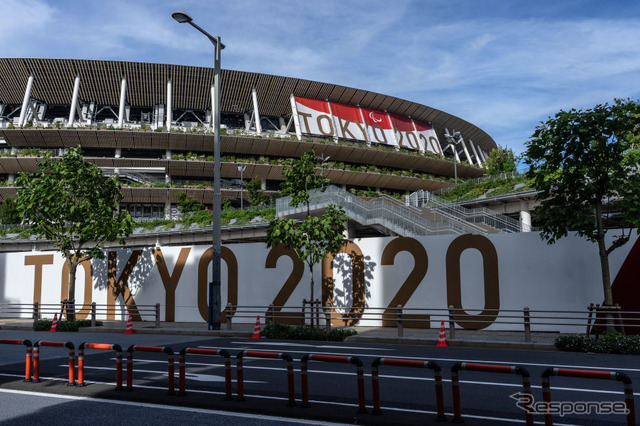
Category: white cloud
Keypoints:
(500, 66)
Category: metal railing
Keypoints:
(37, 311)
(594, 320)
(453, 211)
(383, 211)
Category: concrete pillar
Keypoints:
(74, 101)
(349, 230)
(525, 220)
(118, 152)
(283, 124)
(168, 154)
(169, 107)
(296, 119)
(167, 178)
(123, 92)
(256, 112)
(167, 210)
(25, 102)
(11, 177)
(475, 153)
(263, 184)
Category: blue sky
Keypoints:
(504, 65)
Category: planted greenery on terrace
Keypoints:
(471, 190)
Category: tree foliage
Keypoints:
(188, 204)
(501, 160)
(69, 202)
(584, 163)
(255, 193)
(314, 237)
(9, 213)
(300, 178)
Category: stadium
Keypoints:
(152, 125)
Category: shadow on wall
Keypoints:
(123, 283)
(348, 296)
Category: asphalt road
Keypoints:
(407, 394)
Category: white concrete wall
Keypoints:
(563, 276)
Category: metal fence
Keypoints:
(456, 212)
(594, 320)
(385, 211)
(37, 311)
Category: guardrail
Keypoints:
(592, 320)
(546, 407)
(104, 346)
(456, 212)
(587, 374)
(487, 368)
(36, 359)
(37, 311)
(394, 215)
(413, 363)
(158, 349)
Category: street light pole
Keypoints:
(241, 169)
(452, 143)
(215, 284)
(323, 161)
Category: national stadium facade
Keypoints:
(152, 125)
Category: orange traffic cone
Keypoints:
(54, 324)
(442, 337)
(256, 330)
(129, 329)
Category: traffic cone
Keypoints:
(54, 324)
(256, 330)
(129, 329)
(442, 337)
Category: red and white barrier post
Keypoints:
(337, 359)
(36, 359)
(407, 363)
(487, 368)
(104, 346)
(157, 349)
(199, 351)
(260, 354)
(27, 365)
(589, 374)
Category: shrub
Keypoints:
(45, 325)
(290, 332)
(612, 343)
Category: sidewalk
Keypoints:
(377, 335)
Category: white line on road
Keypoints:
(312, 401)
(533, 364)
(170, 407)
(427, 379)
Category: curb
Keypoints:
(454, 343)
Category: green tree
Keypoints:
(584, 164)
(501, 160)
(69, 202)
(255, 193)
(300, 178)
(188, 204)
(9, 213)
(314, 237)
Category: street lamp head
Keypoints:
(181, 16)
